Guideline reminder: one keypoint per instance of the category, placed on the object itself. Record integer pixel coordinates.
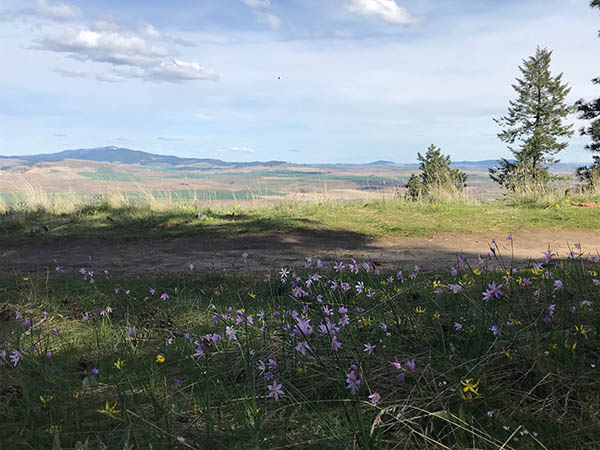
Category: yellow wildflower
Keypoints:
(46, 398)
(513, 320)
(160, 358)
(470, 389)
(437, 283)
(367, 321)
(436, 315)
(53, 429)
(571, 347)
(119, 363)
(477, 271)
(109, 410)
(420, 310)
(582, 330)
(252, 295)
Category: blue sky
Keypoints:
(297, 80)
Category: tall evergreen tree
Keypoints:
(535, 123)
(591, 111)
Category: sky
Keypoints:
(306, 81)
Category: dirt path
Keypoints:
(276, 249)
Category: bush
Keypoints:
(436, 176)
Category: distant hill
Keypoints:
(128, 156)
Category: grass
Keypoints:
(117, 218)
(198, 369)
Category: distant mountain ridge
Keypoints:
(112, 154)
(121, 155)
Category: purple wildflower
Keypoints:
(549, 256)
(369, 349)
(455, 288)
(375, 398)
(275, 390)
(15, 357)
(335, 344)
(353, 381)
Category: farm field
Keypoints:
(217, 183)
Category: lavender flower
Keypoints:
(353, 380)
(275, 390)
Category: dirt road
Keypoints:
(276, 249)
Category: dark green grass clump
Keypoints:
(342, 356)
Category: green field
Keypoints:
(180, 216)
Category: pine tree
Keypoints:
(436, 173)
(535, 122)
(591, 111)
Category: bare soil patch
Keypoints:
(271, 250)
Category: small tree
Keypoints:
(436, 174)
(590, 175)
(535, 123)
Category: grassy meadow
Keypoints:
(330, 355)
(391, 218)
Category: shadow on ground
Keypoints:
(275, 248)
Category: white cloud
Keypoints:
(269, 19)
(111, 77)
(170, 139)
(150, 31)
(103, 46)
(136, 55)
(257, 3)
(105, 24)
(243, 149)
(57, 11)
(387, 10)
(71, 73)
(176, 70)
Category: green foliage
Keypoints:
(535, 124)
(436, 175)
(415, 188)
(590, 175)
